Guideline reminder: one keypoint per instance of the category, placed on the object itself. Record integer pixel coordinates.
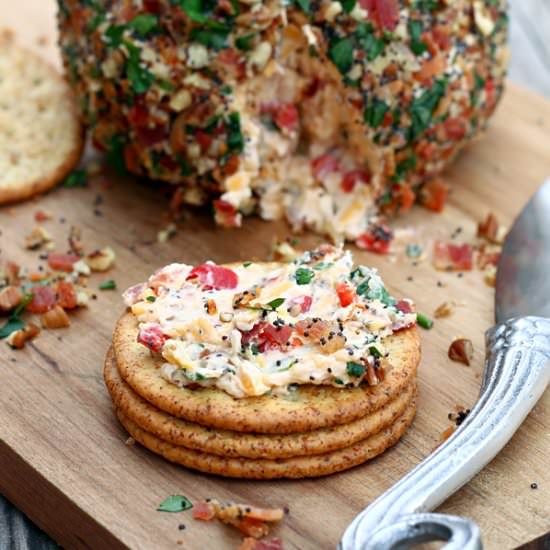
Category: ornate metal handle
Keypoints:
(516, 373)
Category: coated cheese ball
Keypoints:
(327, 113)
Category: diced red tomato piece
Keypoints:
(286, 117)
(404, 197)
(404, 306)
(449, 256)
(346, 294)
(212, 276)
(62, 262)
(151, 6)
(352, 177)
(255, 528)
(149, 136)
(377, 240)
(324, 165)
(275, 337)
(41, 216)
(203, 139)
(66, 295)
(303, 301)
(441, 36)
(490, 91)
(43, 299)
(433, 194)
(151, 336)
(138, 115)
(203, 511)
(455, 128)
(226, 214)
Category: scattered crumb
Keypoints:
(534, 485)
(167, 233)
(445, 309)
(130, 441)
(461, 350)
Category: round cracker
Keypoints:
(295, 467)
(247, 445)
(41, 138)
(308, 408)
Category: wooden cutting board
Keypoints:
(63, 460)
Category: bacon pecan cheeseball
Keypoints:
(320, 111)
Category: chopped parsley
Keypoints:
(235, 140)
(371, 44)
(247, 264)
(422, 108)
(143, 24)
(375, 112)
(303, 276)
(113, 35)
(151, 298)
(348, 5)
(195, 376)
(322, 265)
(77, 178)
(374, 351)
(140, 78)
(175, 503)
(109, 284)
(415, 31)
(355, 369)
(14, 322)
(115, 154)
(194, 10)
(404, 167)
(211, 38)
(341, 53)
(424, 321)
(274, 304)
(245, 42)
(339, 381)
(363, 287)
(427, 5)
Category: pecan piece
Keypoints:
(461, 350)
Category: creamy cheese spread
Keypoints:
(252, 328)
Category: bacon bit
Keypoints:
(452, 257)
(462, 351)
(487, 259)
(151, 336)
(489, 229)
(251, 521)
(62, 262)
(433, 194)
(384, 13)
(18, 338)
(490, 276)
(75, 240)
(101, 260)
(274, 337)
(253, 544)
(430, 68)
(352, 177)
(211, 276)
(226, 215)
(346, 294)
(299, 304)
(286, 117)
(404, 197)
(376, 240)
(36, 238)
(55, 318)
(323, 165)
(43, 299)
(10, 297)
(444, 310)
(12, 273)
(66, 295)
(211, 307)
(42, 216)
(455, 128)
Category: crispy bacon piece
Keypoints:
(452, 257)
(43, 299)
(488, 229)
(211, 276)
(404, 306)
(300, 304)
(66, 295)
(384, 13)
(286, 117)
(267, 336)
(376, 240)
(433, 194)
(226, 214)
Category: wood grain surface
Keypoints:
(63, 460)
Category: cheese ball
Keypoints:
(327, 113)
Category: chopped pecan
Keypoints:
(55, 318)
(444, 310)
(18, 338)
(372, 378)
(101, 260)
(10, 297)
(461, 350)
(36, 238)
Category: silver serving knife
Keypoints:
(516, 373)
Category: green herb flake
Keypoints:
(247, 264)
(348, 5)
(424, 321)
(274, 304)
(413, 250)
(109, 284)
(322, 266)
(193, 9)
(27, 299)
(339, 381)
(244, 43)
(77, 178)
(303, 276)
(115, 154)
(355, 369)
(363, 287)
(151, 298)
(175, 503)
(415, 32)
(226, 89)
(140, 78)
(374, 351)
(341, 53)
(113, 35)
(13, 324)
(143, 24)
(305, 5)
(235, 140)
(254, 349)
(94, 22)
(422, 108)
(211, 38)
(371, 44)
(375, 112)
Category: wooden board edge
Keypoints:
(70, 526)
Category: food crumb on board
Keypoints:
(534, 485)
(130, 441)
(461, 350)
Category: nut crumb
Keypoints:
(461, 350)
(444, 310)
(130, 441)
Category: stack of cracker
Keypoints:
(312, 431)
